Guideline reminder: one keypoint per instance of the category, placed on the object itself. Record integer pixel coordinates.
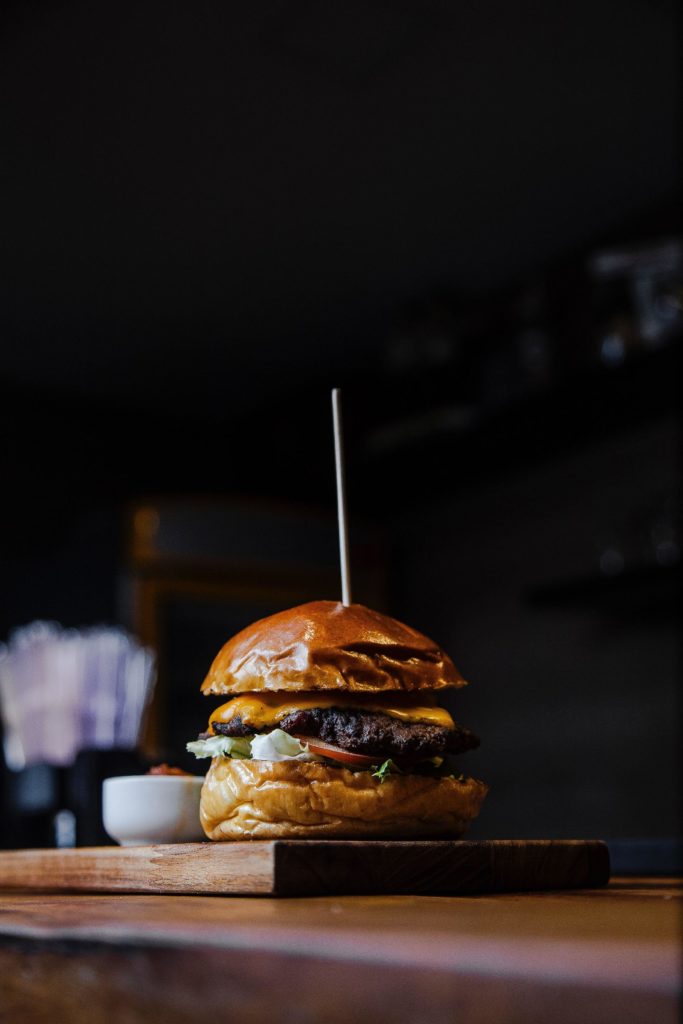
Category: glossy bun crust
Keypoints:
(325, 645)
(300, 800)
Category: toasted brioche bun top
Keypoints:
(325, 645)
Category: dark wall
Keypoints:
(203, 204)
(574, 671)
(213, 213)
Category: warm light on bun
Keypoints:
(325, 645)
(293, 799)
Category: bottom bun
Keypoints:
(295, 800)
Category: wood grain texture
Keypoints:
(99, 985)
(440, 868)
(177, 868)
(607, 956)
(312, 868)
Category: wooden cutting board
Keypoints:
(313, 867)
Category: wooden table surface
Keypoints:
(604, 955)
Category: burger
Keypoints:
(332, 730)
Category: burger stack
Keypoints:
(332, 730)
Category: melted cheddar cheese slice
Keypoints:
(265, 710)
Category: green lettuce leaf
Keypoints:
(269, 746)
(278, 745)
(221, 746)
(381, 771)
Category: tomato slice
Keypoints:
(337, 754)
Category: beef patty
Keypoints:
(366, 732)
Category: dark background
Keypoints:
(212, 213)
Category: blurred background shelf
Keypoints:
(463, 444)
(656, 588)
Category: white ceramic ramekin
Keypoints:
(139, 810)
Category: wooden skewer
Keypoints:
(341, 498)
